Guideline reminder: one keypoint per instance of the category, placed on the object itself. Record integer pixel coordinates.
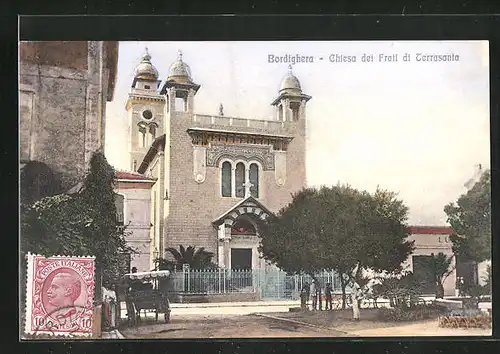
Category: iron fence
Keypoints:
(269, 283)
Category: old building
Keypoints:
(63, 90)
(216, 176)
(133, 207)
(429, 241)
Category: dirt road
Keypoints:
(224, 326)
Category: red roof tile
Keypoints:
(131, 176)
(431, 230)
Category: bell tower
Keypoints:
(291, 102)
(290, 108)
(145, 109)
(180, 89)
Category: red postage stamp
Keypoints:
(60, 292)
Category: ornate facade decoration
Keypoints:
(263, 154)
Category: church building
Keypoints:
(216, 177)
(212, 179)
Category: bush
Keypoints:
(401, 291)
(415, 313)
(465, 319)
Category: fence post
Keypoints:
(225, 277)
(219, 277)
(278, 283)
(296, 283)
(185, 268)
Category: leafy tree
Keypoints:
(195, 258)
(470, 218)
(487, 281)
(441, 268)
(341, 229)
(80, 224)
(401, 290)
(291, 238)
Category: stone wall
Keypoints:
(63, 91)
(52, 121)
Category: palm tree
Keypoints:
(196, 258)
(441, 269)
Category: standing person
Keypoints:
(314, 298)
(318, 295)
(355, 295)
(304, 296)
(328, 297)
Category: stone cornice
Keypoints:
(135, 98)
(203, 137)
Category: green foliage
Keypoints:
(470, 218)
(487, 281)
(195, 258)
(79, 225)
(291, 240)
(473, 293)
(472, 320)
(402, 291)
(442, 268)
(38, 181)
(416, 313)
(338, 228)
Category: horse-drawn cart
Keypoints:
(146, 292)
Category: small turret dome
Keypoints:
(146, 70)
(180, 71)
(290, 83)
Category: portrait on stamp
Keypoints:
(59, 295)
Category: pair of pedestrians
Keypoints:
(314, 292)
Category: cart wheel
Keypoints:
(167, 316)
(156, 315)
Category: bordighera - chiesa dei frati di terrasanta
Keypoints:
(207, 180)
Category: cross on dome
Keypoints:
(146, 56)
(179, 55)
(290, 69)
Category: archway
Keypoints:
(238, 229)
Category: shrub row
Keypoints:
(414, 313)
(453, 321)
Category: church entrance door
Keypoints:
(241, 264)
(241, 258)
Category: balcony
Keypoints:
(241, 125)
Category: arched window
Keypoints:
(243, 227)
(142, 136)
(226, 179)
(152, 132)
(240, 180)
(295, 107)
(254, 180)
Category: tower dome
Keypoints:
(290, 83)
(180, 71)
(146, 70)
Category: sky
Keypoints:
(413, 127)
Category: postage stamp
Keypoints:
(60, 292)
